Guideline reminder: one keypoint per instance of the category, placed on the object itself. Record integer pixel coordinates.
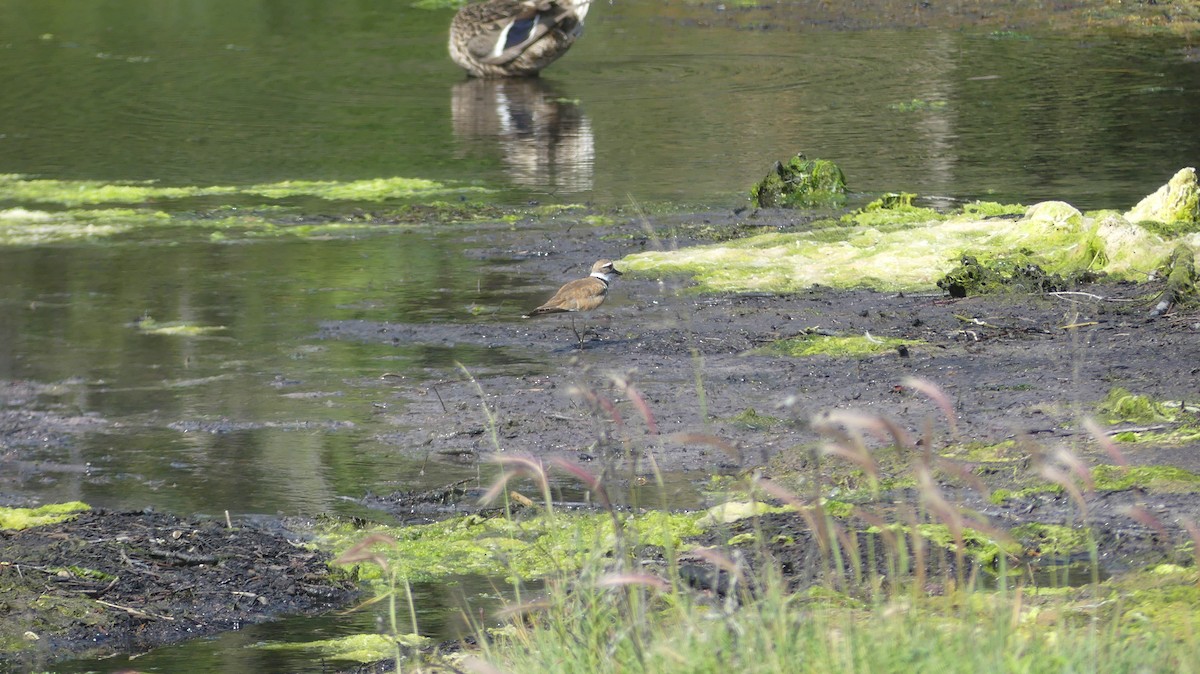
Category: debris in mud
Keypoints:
(109, 582)
(455, 498)
(1181, 281)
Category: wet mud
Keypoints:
(114, 582)
(667, 381)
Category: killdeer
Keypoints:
(583, 294)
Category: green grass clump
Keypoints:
(591, 630)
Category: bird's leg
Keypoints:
(577, 335)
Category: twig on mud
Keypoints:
(1138, 429)
(975, 321)
(134, 611)
(184, 558)
(1099, 298)
(1062, 295)
(439, 397)
(1064, 432)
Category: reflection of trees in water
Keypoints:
(546, 142)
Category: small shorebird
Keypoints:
(514, 38)
(583, 294)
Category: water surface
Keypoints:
(656, 102)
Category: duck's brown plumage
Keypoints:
(514, 38)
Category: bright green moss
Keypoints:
(1158, 479)
(149, 326)
(1176, 202)
(742, 539)
(749, 419)
(1000, 496)
(18, 189)
(1163, 599)
(22, 227)
(23, 518)
(354, 648)
(838, 347)
(891, 210)
(498, 546)
(992, 209)
(1001, 452)
(916, 105)
(838, 509)
(1051, 539)
(903, 253)
(976, 545)
(732, 511)
(83, 572)
(1121, 406)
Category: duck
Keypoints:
(514, 38)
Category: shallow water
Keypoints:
(656, 102)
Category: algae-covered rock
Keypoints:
(1015, 272)
(801, 182)
(1056, 214)
(891, 245)
(1177, 201)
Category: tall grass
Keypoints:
(886, 599)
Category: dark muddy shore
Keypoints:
(1012, 364)
(1022, 365)
(108, 582)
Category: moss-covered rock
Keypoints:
(1176, 202)
(800, 183)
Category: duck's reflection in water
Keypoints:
(545, 141)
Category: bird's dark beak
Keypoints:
(614, 271)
